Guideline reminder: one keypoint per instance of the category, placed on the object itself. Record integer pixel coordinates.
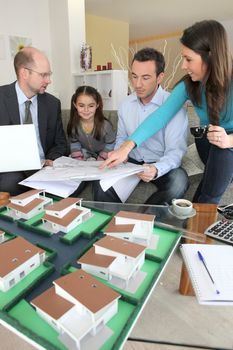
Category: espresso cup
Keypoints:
(182, 207)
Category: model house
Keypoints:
(135, 227)
(114, 258)
(78, 306)
(65, 215)
(18, 258)
(28, 204)
(2, 236)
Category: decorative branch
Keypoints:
(175, 66)
(121, 59)
(122, 62)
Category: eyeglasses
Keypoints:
(199, 131)
(42, 75)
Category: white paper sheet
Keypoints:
(66, 174)
(62, 188)
(19, 147)
(124, 187)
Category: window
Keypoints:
(22, 274)
(12, 282)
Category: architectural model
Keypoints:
(135, 227)
(114, 259)
(65, 215)
(78, 306)
(2, 236)
(27, 204)
(18, 258)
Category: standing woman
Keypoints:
(209, 85)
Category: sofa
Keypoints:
(191, 163)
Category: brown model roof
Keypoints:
(91, 258)
(93, 294)
(14, 253)
(66, 219)
(26, 208)
(52, 303)
(112, 227)
(137, 216)
(120, 246)
(63, 204)
(26, 194)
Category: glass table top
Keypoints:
(168, 316)
(191, 227)
(171, 320)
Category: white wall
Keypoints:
(24, 18)
(57, 27)
(229, 28)
(67, 25)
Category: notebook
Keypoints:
(19, 148)
(219, 262)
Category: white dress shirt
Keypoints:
(167, 147)
(22, 98)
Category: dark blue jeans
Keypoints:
(218, 172)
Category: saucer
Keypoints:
(182, 217)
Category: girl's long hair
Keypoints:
(74, 121)
(209, 39)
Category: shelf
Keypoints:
(105, 81)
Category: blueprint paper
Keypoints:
(64, 177)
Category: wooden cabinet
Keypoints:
(111, 84)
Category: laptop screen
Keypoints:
(19, 148)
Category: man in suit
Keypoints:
(33, 76)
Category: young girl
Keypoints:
(209, 85)
(90, 134)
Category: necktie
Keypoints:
(28, 116)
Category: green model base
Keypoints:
(22, 316)
(17, 292)
(25, 317)
(86, 230)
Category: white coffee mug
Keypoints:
(182, 207)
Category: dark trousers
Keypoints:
(167, 187)
(218, 172)
(80, 188)
(9, 182)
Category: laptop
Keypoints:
(19, 148)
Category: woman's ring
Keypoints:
(219, 138)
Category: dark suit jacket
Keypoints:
(51, 131)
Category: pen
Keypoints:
(207, 270)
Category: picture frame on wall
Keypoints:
(17, 43)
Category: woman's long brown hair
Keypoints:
(209, 39)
